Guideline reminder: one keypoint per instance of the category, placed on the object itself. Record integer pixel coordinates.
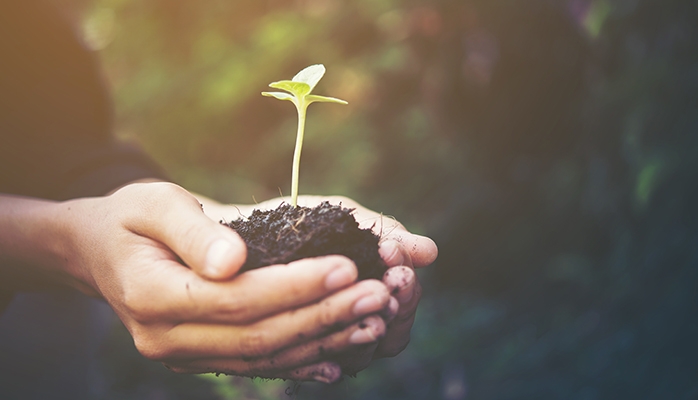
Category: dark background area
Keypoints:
(549, 147)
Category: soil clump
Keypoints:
(289, 233)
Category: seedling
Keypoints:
(299, 88)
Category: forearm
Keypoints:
(41, 240)
(34, 241)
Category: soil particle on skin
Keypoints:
(289, 233)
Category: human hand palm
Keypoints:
(145, 249)
(401, 250)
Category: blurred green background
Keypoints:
(549, 147)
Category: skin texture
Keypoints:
(169, 271)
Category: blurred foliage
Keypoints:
(187, 79)
(549, 146)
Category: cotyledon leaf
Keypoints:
(310, 75)
(279, 95)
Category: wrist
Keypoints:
(35, 239)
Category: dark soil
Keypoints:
(290, 233)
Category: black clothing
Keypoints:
(55, 113)
(55, 143)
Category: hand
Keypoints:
(401, 250)
(165, 268)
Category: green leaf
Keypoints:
(310, 75)
(299, 89)
(279, 95)
(311, 98)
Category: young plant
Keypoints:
(300, 88)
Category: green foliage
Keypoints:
(184, 75)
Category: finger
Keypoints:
(396, 339)
(271, 334)
(172, 216)
(401, 283)
(354, 338)
(409, 306)
(356, 360)
(391, 312)
(420, 250)
(394, 254)
(251, 296)
(397, 336)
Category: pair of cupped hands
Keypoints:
(170, 272)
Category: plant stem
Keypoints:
(302, 107)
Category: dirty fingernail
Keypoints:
(340, 277)
(368, 304)
(219, 254)
(401, 281)
(362, 336)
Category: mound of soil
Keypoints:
(290, 233)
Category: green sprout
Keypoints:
(300, 87)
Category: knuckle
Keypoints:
(167, 189)
(376, 287)
(253, 344)
(295, 286)
(153, 199)
(295, 290)
(190, 236)
(232, 308)
(325, 315)
(378, 325)
(161, 196)
(137, 306)
(150, 347)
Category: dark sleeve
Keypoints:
(55, 114)
(75, 168)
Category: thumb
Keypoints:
(175, 218)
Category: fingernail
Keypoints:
(367, 304)
(362, 336)
(400, 281)
(340, 277)
(390, 253)
(219, 253)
